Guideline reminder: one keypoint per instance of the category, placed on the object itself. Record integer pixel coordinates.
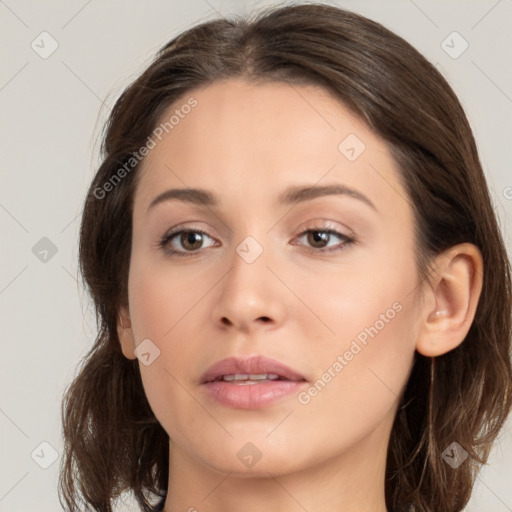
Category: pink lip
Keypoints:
(250, 396)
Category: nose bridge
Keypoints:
(249, 292)
(249, 266)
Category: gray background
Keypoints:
(52, 111)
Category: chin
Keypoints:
(246, 460)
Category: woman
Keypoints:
(303, 294)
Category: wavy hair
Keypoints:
(113, 442)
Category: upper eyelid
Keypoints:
(177, 231)
(315, 224)
(303, 229)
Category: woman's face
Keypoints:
(337, 304)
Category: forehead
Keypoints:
(260, 138)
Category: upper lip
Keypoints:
(251, 365)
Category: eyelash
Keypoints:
(163, 243)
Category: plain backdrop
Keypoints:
(53, 106)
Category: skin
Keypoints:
(246, 144)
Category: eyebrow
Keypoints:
(292, 195)
(299, 194)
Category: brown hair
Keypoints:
(113, 441)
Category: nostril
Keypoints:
(227, 322)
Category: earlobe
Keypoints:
(454, 290)
(125, 333)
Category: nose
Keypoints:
(251, 298)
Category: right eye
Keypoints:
(183, 241)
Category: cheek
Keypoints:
(162, 307)
(365, 359)
(160, 299)
(372, 292)
(156, 310)
(358, 378)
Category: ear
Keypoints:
(125, 333)
(451, 299)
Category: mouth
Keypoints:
(255, 369)
(250, 383)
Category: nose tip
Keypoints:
(249, 297)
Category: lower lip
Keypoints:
(251, 396)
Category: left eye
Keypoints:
(322, 238)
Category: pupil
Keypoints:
(316, 237)
(191, 240)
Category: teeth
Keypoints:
(250, 377)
